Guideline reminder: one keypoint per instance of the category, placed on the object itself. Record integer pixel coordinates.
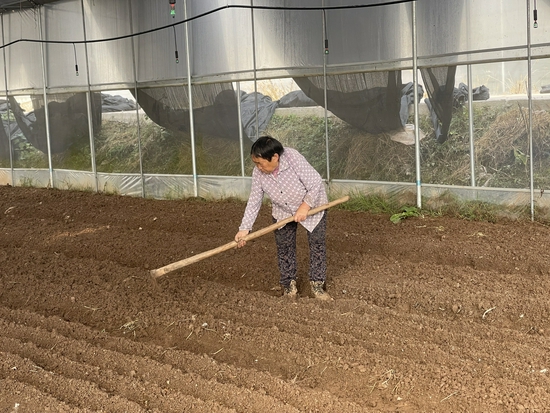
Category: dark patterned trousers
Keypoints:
(286, 251)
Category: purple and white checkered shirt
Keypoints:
(295, 182)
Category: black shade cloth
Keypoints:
(439, 83)
(296, 99)
(443, 97)
(4, 139)
(214, 107)
(368, 101)
(68, 120)
(11, 130)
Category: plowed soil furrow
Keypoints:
(20, 397)
(140, 392)
(83, 393)
(351, 343)
(434, 314)
(85, 362)
(133, 376)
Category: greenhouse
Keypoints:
(420, 100)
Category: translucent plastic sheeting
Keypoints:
(23, 59)
(286, 42)
(541, 146)
(168, 187)
(289, 38)
(68, 120)
(62, 21)
(5, 176)
(74, 180)
(369, 34)
(153, 186)
(6, 132)
(497, 196)
(210, 187)
(502, 146)
(219, 187)
(221, 41)
(116, 143)
(15, 5)
(155, 52)
(28, 140)
(541, 33)
(122, 184)
(339, 188)
(465, 29)
(110, 62)
(2, 63)
(215, 187)
(440, 85)
(31, 177)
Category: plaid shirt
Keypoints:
(296, 181)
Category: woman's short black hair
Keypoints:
(265, 147)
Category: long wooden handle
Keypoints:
(195, 258)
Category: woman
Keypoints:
(294, 187)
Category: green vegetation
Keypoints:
(501, 156)
(444, 205)
(374, 203)
(163, 151)
(408, 211)
(501, 150)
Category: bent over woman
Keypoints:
(294, 187)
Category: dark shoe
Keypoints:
(290, 290)
(317, 288)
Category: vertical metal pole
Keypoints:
(134, 65)
(325, 58)
(255, 73)
(471, 125)
(530, 118)
(190, 92)
(46, 111)
(241, 144)
(89, 101)
(416, 118)
(7, 104)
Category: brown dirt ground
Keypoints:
(430, 315)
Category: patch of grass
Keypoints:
(27, 182)
(163, 151)
(472, 211)
(77, 158)
(447, 204)
(354, 154)
(375, 203)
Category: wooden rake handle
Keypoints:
(195, 258)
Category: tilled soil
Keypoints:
(433, 314)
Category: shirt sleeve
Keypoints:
(254, 203)
(311, 179)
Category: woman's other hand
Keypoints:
(301, 213)
(239, 238)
